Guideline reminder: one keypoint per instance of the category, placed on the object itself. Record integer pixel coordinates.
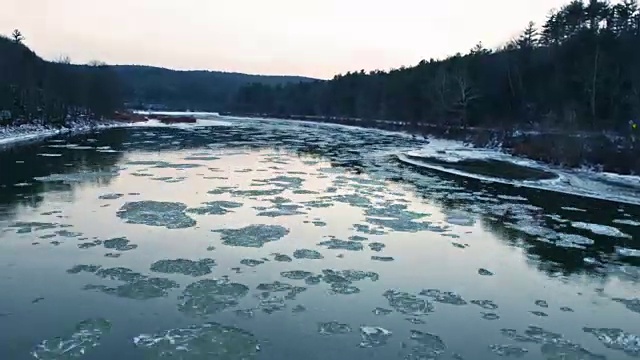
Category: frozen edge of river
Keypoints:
(11, 135)
(30, 132)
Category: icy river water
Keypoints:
(255, 239)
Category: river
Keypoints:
(270, 239)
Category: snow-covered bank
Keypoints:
(10, 135)
(197, 124)
(176, 113)
(443, 155)
(605, 151)
(20, 134)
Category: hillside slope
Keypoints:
(146, 86)
(32, 89)
(578, 71)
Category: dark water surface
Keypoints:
(272, 240)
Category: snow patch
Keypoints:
(604, 186)
(197, 124)
(16, 134)
(600, 229)
(28, 132)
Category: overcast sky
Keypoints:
(317, 38)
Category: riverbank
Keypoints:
(599, 151)
(608, 152)
(13, 134)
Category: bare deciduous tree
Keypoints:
(17, 36)
(97, 63)
(63, 59)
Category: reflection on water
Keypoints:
(22, 182)
(272, 240)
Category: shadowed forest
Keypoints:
(54, 92)
(580, 70)
(35, 90)
(148, 87)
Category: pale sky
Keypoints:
(317, 38)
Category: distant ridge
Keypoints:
(160, 88)
(220, 72)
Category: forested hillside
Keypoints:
(579, 70)
(180, 90)
(32, 89)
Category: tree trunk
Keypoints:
(594, 81)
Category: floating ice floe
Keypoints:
(296, 274)
(342, 244)
(136, 286)
(600, 229)
(626, 222)
(79, 177)
(333, 328)
(485, 304)
(373, 336)
(408, 304)
(282, 257)
(381, 311)
(170, 215)
(552, 345)
(508, 350)
(34, 226)
(210, 296)
(252, 235)
(631, 304)
(307, 254)
(382, 258)
(376, 246)
(444, 297)
(251, 262)
(460, 219)
(617, 339)
(184, 266)
(627, 252)
(112, 196)
(423, 345)
(206, 341)
(119, 244)
(215, 208)
(86, 336)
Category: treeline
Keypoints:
(32, 89)
(158, 88)
(579, 70)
